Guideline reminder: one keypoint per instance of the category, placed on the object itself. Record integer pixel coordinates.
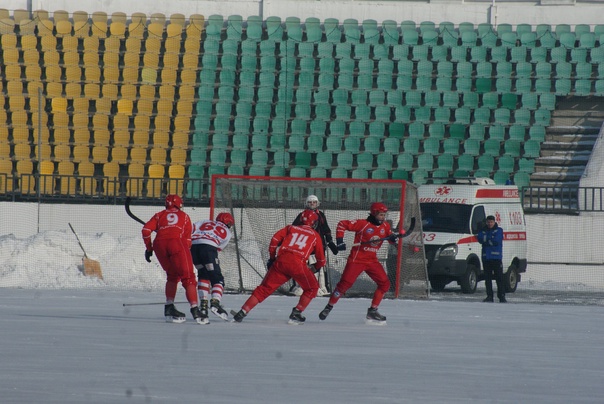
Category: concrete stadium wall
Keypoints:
(456, 11)
(551, 238)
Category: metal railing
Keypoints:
(109, 190)
(563, 200)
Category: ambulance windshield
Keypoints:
(446, 217)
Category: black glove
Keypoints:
(328, 239)
(269, 263)
(148, 255)
(341, 244)
(393, 238)
(333, 248)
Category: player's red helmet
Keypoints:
(309, 218)
(226, 218)
(377, 207)
(173, 201)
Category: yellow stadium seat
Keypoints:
(100, 154)
(136, 29)
(121, 138)
(142, 122)
(73, 73)
(46, 167)
(178, 156)
(117, 29)
(81, 105)
(81, 153)
(80, 136)
(161, 139)
(157, 155)
(147, 92)
(99, 29)
(60, 15)
(156, 171)
(91, 44)
(138, 155)
(8, 40)
(119, 155)
(42, 151)
(100, 120)
(140, 137)
(121, 121)
(65, 168)
(24, 167)
(80, 16)
(158, 18)
(40, 15)
(90, 59)
(63, 28)
(80, 120)
(101, 137)
(144, 107)
(124, 106)
(22, 151)
(70, 43)
(62, 152)
(81, 29)
(6, 166)
(180, 140)
(29, 42)
(86, 169)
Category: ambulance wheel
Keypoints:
(469, 280)
(510, 279)
(438, 283)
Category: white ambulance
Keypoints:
(453, 213)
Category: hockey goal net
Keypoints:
(263, 205)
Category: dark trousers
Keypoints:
(494, 267)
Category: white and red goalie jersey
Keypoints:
(216, 234)
(365, 233)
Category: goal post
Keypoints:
(263, 205)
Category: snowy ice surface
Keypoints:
(67, 338)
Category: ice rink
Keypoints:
(75, 346)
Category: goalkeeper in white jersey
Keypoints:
(208, 238)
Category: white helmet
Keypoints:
(312, 202)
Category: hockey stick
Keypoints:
(407, 232)
(129, 212)
(148, 304)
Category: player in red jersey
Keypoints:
(172, 246)
(296, 244)
(210, 237)
(369, 235)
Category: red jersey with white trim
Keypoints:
(210, 232)
(169, 223)
(365, 231)
(300, 241)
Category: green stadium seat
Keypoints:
(538, 54)
(364, 160)
(492, 147)
(497, 132)
(537, 133)
(451, 146)
(490, 100)
(522, 117)
(471, 147)
(445, 162)
(482, 115)
(465, 162)
(547, 101)
(543, 117)
(396, 130)
(512, 148)
(404, 161)
(333, 143)
(499, 54)
(431, 145)
(501, 177)
(476, 131)
(529, 101)
(486, 162)
(522, 179)
(324, 160)
(419, 177)
(352, 144)
(526, 165)
(400, 175)
(411, 145)
(457, 131)
(506, 164)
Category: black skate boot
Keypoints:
(172, 315)
(203, 310)
(296, 317)
(374, 317)
(198, 316)
(323, 314)
(239, 316)
(217, 309)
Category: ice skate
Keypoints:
(325, 312)
(374, 317)
(296, 318)
(172, 315)
(202, 313)
(218, 310)
(238, 316)
(197, 316)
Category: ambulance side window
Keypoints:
(478, 219)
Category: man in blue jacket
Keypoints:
(491, 239)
